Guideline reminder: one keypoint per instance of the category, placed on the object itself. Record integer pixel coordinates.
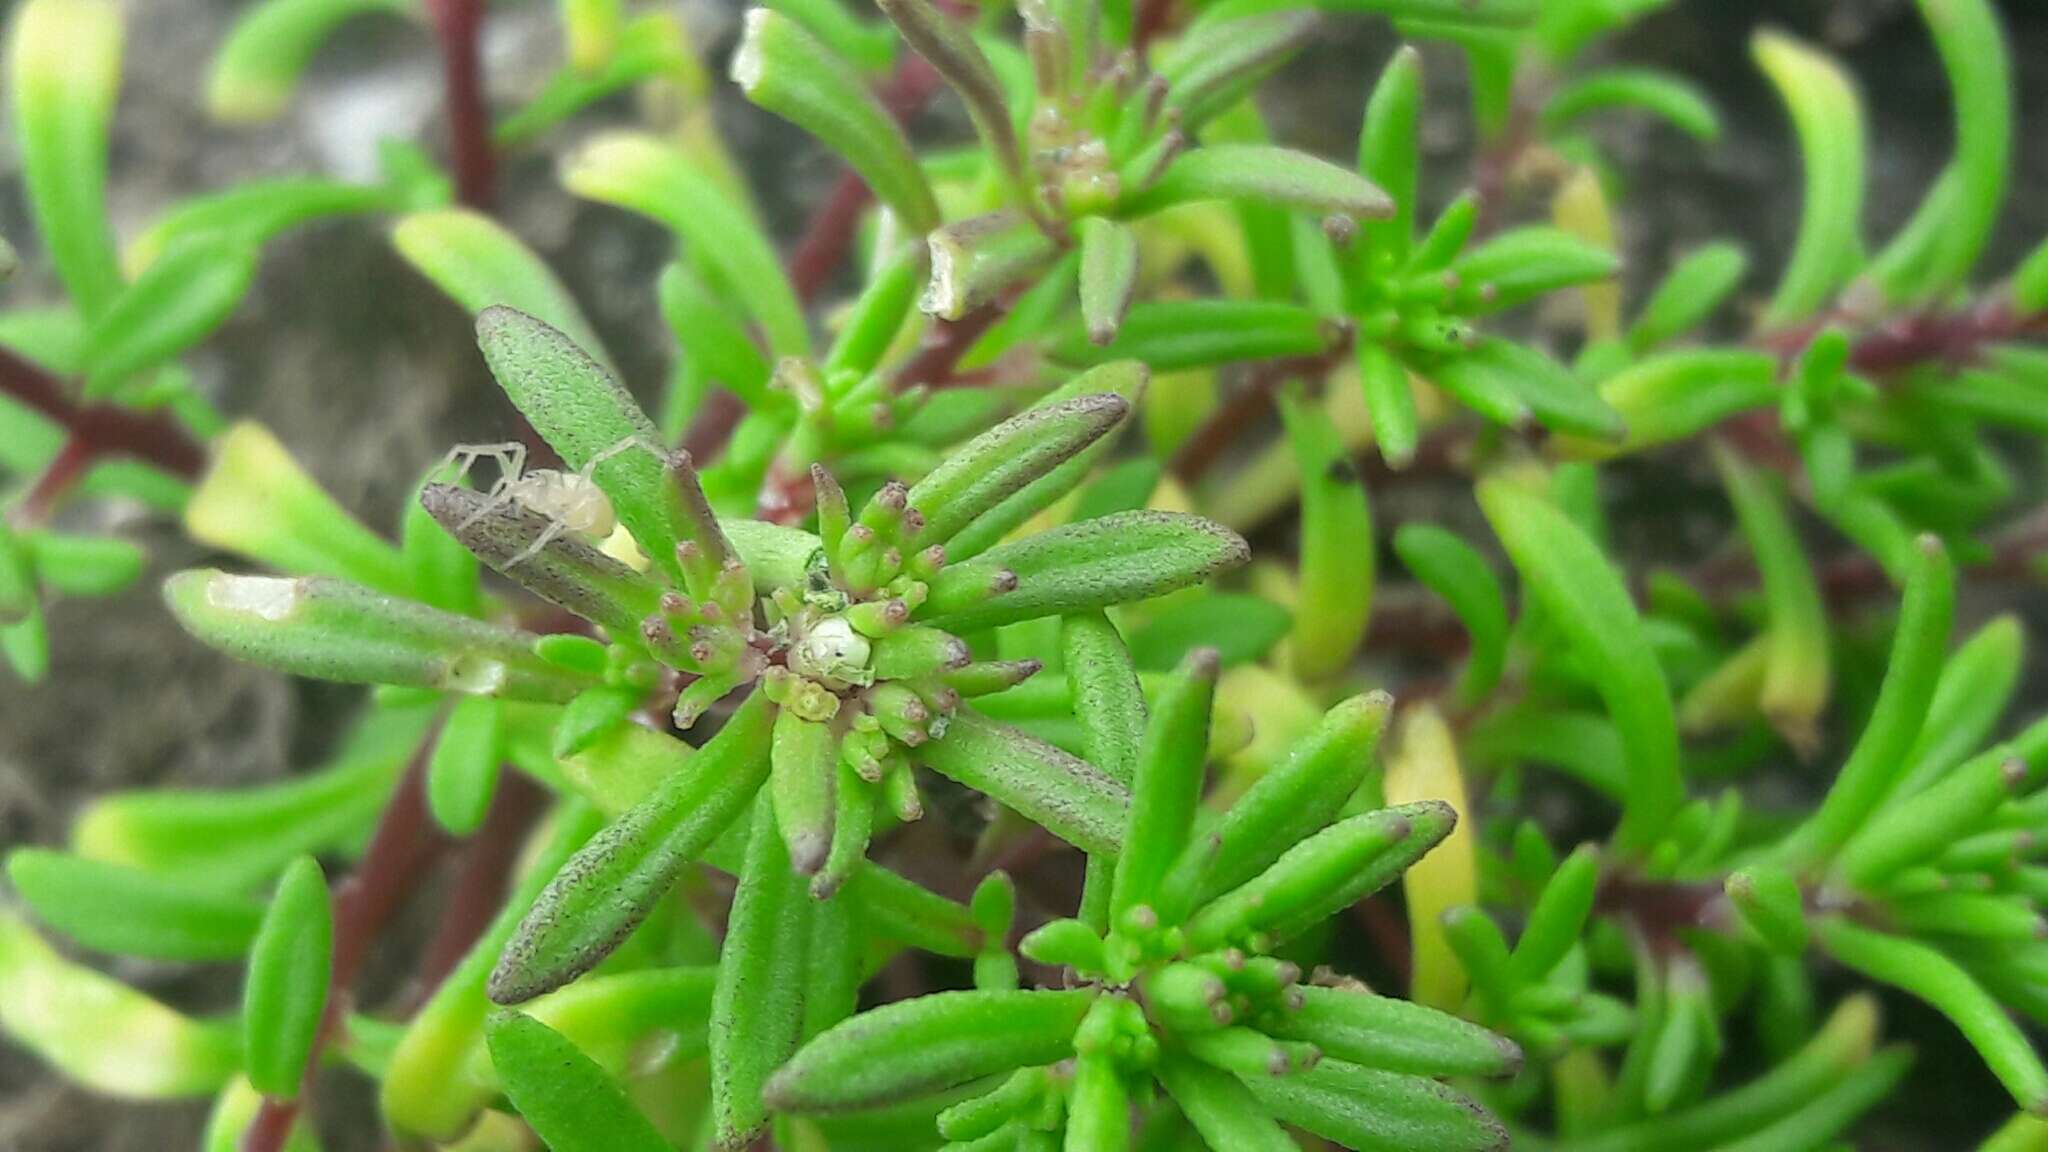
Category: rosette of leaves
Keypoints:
(1080, 141)
(840, 655)
(1175, 1002)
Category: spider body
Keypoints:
(571, 501)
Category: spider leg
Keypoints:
(509, 456)
(548, 535)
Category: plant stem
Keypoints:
(104, 429)
(458, 25)
(483, 871)
(1209, 442)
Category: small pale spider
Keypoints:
(571, 501)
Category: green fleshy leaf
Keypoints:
(270, 45)
(330, 630)
(1109, 275)
(785, 69)
(118, 909)
(1261, 174)
(1323, 875)
(1212, 67)
(609, 886)
(1565, 571)
(1336, 573)
(570, 1102)
(1395, 1035)
(257, 211)
(64, 64)
(1519, 266)
(286, 988)
(85, 566)
(1170, 335)
(925, 1045)
(757, 1008)
(480, 266)
(102, 1034)
(1678, 394)
(1667, 97)
(1828, 115)
(654, 178)
(1070, 798)
(1076, 567)
(1374, 1111)
(1166, 785)
(1454, 570)
(1696, 285)
(174, 304)
(463, 774)
(1241, 628)
(1007, 458)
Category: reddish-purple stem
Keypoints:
(103, 429)
(458, 25)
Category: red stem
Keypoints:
(458, 25)
(104, 429)
(485, 867)
(944, 345)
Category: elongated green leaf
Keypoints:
(229, 841)
(1389, 149)
(757, 1007)
(1920, 826)
(1324, 874)
(1935, 250)
(260, 63)
(651, 49)
(1217, 62)
(85, 566)
(257, 211)
(174, 304)
(957, 56)
(1070, 798)
(1170, 335)
(1109, 275)
(102, 1034)
(286, 988)
(1558, 918)
(463, 774)
(571, 1102)
(1875, 764)
(651, 177)
(581, 411)
(64, 69)
(1828, 115)
(480, 265)
(1123, 378)
(1077, 567)
(1661, 94)
(1695, 286)
(783, 68)
(711, 337)
(1373, 1111)
(1336, 571)
(257, 502)
(1565, 571)
(1926, 973)
(1220, 1107)
(1261, 174)
(113, 908)
(1516, 267)
(1166, 785)
(1396, 1035)
(609, 886)
(1969, 699)
(1456, 571)
(1006, 458)
(1288, 804)
(914, 1047)
(1678, 394)
(1796, 675)
(330, 630)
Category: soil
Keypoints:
(340, 335)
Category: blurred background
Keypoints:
(369, 374)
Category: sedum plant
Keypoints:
(888, 739)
